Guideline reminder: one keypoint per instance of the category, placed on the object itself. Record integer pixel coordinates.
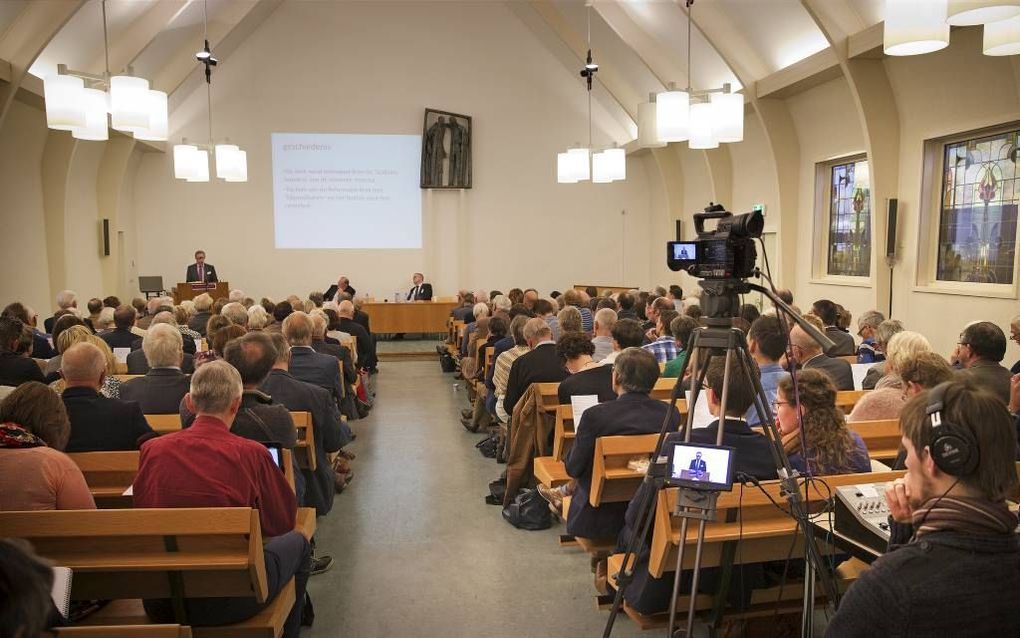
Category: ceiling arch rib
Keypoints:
(26, 38)
(129, 44)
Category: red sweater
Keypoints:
(207, 466)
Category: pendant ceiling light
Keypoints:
(672, 115)
(963, 13)
(191, 161)
(913, 27)
(1002, 37)
(648, 133)
(79, 101)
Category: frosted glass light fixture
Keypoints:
(672, 115)
(184, 166)
(158, 123)
(96, 127)
(1002, 38)
(64, 108)
(728, 117)
(616, 163)
(964, 13)
(563, 173)
(199, 161)
(913, 27)
(702, 135)
(580, 168)
(600, 169)
(231, 163)
(129, 103)
(648, 134)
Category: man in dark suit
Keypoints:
(201, 271)
(344, 287)
(586, 375)
(633, 412)
(203, 306)
(809, 356)
(420, 291)
(15, 369)
(305, 363)
(330, 432)
(698, 468)
(98, 424)
(981, 347)
(348, 405)
(41, 348)
(121, 336)
(466, 310)
(828, 312)
(164, 385)
(542, 364)
(364, 343)
(66, 300)
(752, 456)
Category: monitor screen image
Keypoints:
(701, 466)
(685, 251)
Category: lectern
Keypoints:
(190, 291)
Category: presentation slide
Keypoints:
(346, 191)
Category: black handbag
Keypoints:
(447, 363)
(528, 511)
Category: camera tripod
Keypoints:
(718, 338)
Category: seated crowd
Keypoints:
(233, 371)
(614, 347)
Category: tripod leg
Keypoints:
(694, 579)
(677, 574)
(807, 616)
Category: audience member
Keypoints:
(867, 325)
(35, 474)
(749, 313)
(80, 334)
(693, 311)
(41, 348)
(982, 347)
(888, 397)
(569, 320)
(541, 364)
(121, 336)
(137, 362)
(14, 368)
(577, 299)
(501, 369)
(883, 334)
(258, 318)
(681, 327)
(664, 346)
(626, 302)
(164, 385)
(308, 365)
(106, 320)
(767, 341)
(363, 341)
(26, 599)
(52, 369)
(627, 333)
(828, 312)
(808, 355)
(923, 371)
(545, 310)
(465, 312)
(530, 297)
(953, 565)
(236, 312)
(203, 305)
(652, 309)
(814, 430)
(176, 470)
(605, 319)
(587, 376)
(67, 300)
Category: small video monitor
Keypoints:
(275, 453)
(684, 251)
(700, 466)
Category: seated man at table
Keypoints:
(207, 466)
(752, 456)
(953, 564)
(633, 412)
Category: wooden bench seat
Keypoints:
(125, 555)
(550, 472)
(882, 438)
(125, 631)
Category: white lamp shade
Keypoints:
(184, 164)
(158, 124)
(130, 104)
(64, 108)
(913, 27)
(200, 166)
(702, 118)
(728, 117)
(578, 160)
(672, 116)
(1003, 37)
(600, 169)
(240, 171)
(96, 127)
(615, 160)
(963, 13)
(563, 173)
(862, 176)
(648, 135)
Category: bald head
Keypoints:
(805, 346)
(345, 309)
(83, 365)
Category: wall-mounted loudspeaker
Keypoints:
(679, 230)
(890, 234)
(106, 237)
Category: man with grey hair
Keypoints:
(808, 355)
(137, 361)
(203, 304)
(98, 424)
(542, 364)
(67, 300)
(237, 313)
(305, 363)
(181, 469)
(362, 338)
(883, 333)
(465, 311)
(569, 320)
(236, 296)
(867, 324)
(164, 385)
(323, 345)
(633, 412)
(605, 319)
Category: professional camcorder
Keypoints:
(724, 253)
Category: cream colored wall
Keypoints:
(373, 68)
(23, 241)
(753, 174)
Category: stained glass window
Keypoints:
(849, 219)
(977, 222)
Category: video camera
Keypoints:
(724, 253)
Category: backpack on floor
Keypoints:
(528, 511)
(447, 363)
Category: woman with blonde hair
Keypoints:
(888, 398)
(819, 441)
(81, 334)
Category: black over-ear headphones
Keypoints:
(953, 447)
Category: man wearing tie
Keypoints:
(201, 271)
(698, 467)
(420, 291)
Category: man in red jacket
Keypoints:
(207, 466)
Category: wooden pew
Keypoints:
(305, 449)
(550, 392)
(164, 423)
(125, 631)
(126, 555)
(764, 534)
(564, 431)
(881, 437)
(847, 399)
(611, 480)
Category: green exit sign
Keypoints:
(758, 208)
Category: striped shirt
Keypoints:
(501, 371)
(664, 349)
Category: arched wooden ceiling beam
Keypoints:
(130, 43)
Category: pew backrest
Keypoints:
(612, 481)
(882, 438)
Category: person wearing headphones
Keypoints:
(953, 565)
